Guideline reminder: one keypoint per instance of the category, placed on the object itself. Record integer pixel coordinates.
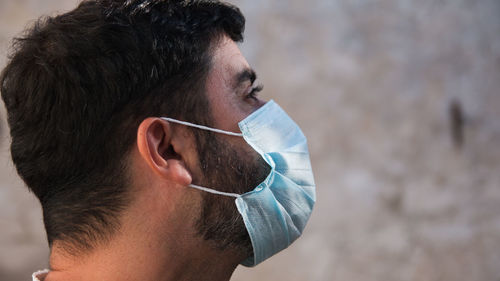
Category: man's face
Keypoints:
(227, 163)
(229, 83)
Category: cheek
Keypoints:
(227, 113)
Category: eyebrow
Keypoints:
(246, 74)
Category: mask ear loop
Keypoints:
(214, 191)
(202, 127)
(213, 130)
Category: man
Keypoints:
(138, 127)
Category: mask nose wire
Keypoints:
(202, 127)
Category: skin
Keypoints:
(157, 239)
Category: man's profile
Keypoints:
(138, 127)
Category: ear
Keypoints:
(154, 141)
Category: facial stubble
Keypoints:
(226, 168)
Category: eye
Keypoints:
(254, 91)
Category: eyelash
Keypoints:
(254, 91)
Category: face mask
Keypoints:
(277, 210)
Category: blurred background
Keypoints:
(400, 101)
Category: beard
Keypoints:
(229, 169)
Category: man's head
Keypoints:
(82, 91)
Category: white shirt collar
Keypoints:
(40, 275)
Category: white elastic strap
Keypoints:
(214, 191)
(202, 127)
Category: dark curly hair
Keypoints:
(78, 85)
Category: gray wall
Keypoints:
(371, 83)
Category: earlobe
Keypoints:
(154, 141)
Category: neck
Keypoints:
(127, 265)
(137, 252)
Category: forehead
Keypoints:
(227, 60)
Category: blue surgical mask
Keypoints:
(277, 210)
